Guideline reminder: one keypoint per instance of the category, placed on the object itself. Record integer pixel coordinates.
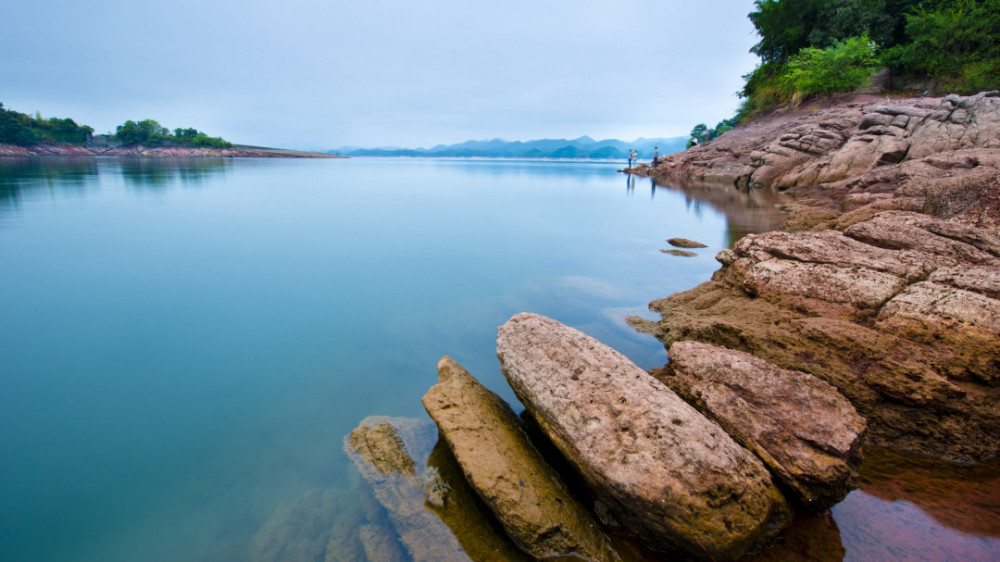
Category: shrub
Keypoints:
(845, 66)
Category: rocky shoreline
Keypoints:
(884, 280)
(872, 318)
(237, 151)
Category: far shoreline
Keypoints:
(237, 151)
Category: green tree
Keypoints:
(783, 26)
(957, 42)
(840, 19)
(128, 133)
(147, 132)
(25, 130)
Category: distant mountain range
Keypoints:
(583, 147)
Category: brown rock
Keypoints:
(944, 242)
(924, 341)
(818, 144)
(507, 472)
(472, 522)
(802, 428)
(663, 470)
(685, 243)
(821, 267)
(959, 122)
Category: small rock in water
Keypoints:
(685, 243)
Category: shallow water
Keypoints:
(186, 342)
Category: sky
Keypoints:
(323, 74)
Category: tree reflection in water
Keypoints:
(20, 176)
(161, 173)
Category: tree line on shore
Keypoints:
(27, 130)
(820, 47)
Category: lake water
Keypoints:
(185, 343)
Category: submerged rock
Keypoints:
(320, 525)
(381, 456)
(663, 470)
(379, 544)
(806, 432)
(436, 514)
(508, 473)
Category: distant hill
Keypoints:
(583, 147)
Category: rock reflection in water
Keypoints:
(908, 507)
(747, 210)
(922, 508)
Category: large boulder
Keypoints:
(508, 473)
(664, 471)
(806, 432)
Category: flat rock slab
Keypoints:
(508, 473)
(665, 471)
(804, 430)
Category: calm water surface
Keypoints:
(186, 342)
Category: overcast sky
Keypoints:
(323, 74)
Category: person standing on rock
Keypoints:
(630, 153)
(656, 154)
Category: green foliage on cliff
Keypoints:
(844, 66)
(25, 130)
(149, 132)
(952, 41)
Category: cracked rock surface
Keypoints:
(900, 313)
(802, 428)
